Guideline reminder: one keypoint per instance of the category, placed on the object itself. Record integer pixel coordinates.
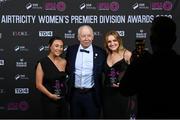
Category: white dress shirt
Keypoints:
(84, 68)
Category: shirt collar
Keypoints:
(89, 48)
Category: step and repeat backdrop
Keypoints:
(27, 25)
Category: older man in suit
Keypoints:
(85, 65)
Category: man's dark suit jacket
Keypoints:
(98, 63)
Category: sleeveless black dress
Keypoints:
(115, 105)
(55, 81)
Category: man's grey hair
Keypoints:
(88, 26)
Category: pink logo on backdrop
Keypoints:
(60, 6)
(167, 5)
(114, 6)
(23, 106)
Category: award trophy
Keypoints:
(57, 89)
(113, 78)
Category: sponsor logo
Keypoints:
(97, 33)
(167, 5)
(22, 106)
(112, 6)
(43, 48)
(59, 6)
(30, 6)
(45, 33)
(135, 6)
(21, 90)
(121, 33)
(20, 77)
(87, 6)
(141, 34)
(1, 62)
(20, 48)
(82, 6)
(69, 34)
(140, 6)
(21, 63)
(20, 33)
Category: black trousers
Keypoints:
(83, 104)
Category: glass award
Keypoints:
(57, 88)
(113, 74)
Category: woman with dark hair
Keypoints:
(51, 81)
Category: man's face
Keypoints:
(85, 37)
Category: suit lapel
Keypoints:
(95, 57)
(73, 56)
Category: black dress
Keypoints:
(115, 105)
(55, 81)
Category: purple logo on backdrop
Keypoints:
(60, 6)
(167, 6)
(113, 6)
(22, 105)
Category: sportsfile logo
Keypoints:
(30, 6)
(87, 6)
(20, 48)
(21, 90)
(82, 6)
(20, 77)
(43, 48)
(45, 33)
